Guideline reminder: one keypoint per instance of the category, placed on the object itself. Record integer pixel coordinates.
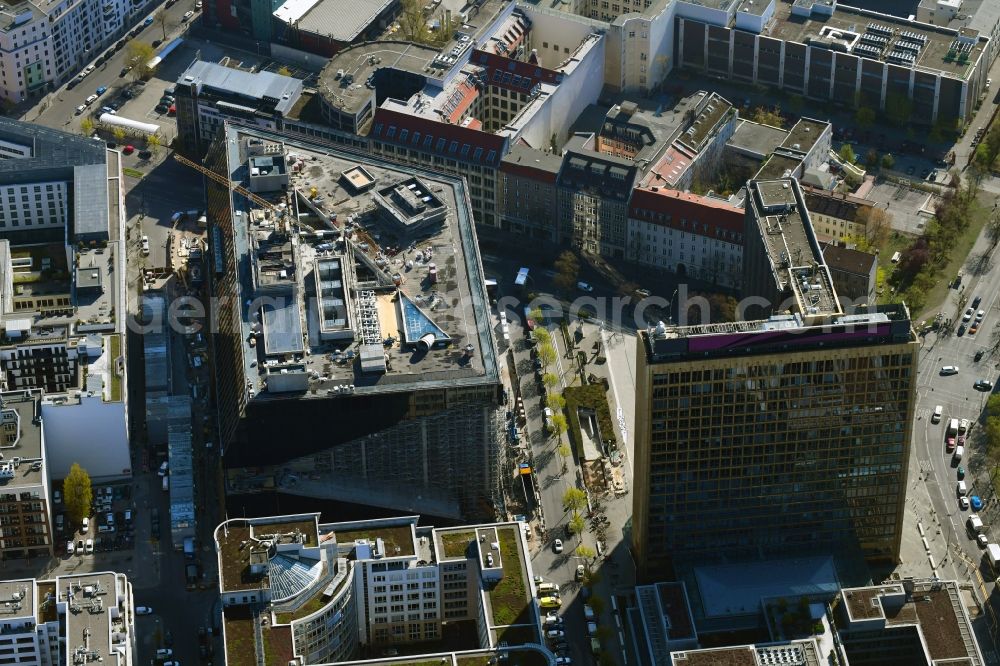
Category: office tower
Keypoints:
(784, 434)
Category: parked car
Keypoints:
(557, 545)
(79, 547)
(963, 503)
(69, 548)
(85, 525)
(164, 653)
(187, 16)
(145, 251)
(101, 90)
(961, 473)
(145, 154)
(143, 610)
(983, 385)
(125, 70)
(80, 109)
(90, 100)
(949, 370)
(975, 503)
(128, 150)
(89, 547)
(583, 286)
(56, 496)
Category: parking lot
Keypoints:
(911, 209)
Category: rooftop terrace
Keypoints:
(342, 81)
(935, 53)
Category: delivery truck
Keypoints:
(992, 555)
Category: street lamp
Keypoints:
(670, 307)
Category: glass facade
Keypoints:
(777, 454)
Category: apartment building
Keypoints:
(754, 432)
(330, 592)
(43, 45)
(839, 216)
(68, 620)
(209, 94)
(527, 197)
(854, 274)
(686, 234)
(62, 291)
(408, 371)
(25, 525)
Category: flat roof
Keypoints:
(398, 539)
(455, 304)
(339, 21)
(361, 61)
(91, 625)
(17, 599)
(21, 408)
(936, 608)
(757, 138)
(804, 134)
(853, 20)
(282, 91)
(791, 245)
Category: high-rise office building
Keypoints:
(785, 434)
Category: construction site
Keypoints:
(358, 362)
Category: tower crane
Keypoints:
(363, 236)
(225, 182)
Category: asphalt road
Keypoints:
(58, 108)
(959, 399)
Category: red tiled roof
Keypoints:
(513, 74)
(701, 215)
(389, 126)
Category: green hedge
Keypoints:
(593, 396)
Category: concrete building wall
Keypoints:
(92, 433)
(560, 109)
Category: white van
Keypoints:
(547, 590)
(963, 490)
(936, 417)
(959, 452)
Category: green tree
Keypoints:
(586, 552)
(888, 161)
(847, 153)
(119, 134)
(564, 451)
(770, 117)
(574, 499)
(547, 354)
(537, 315)
(864, 117)
(137, 56)
(153, 143)
(77, 494)
(577, 524)
(567, 270)
(542, 335)
(555, 401)
(86, 126)
(550, 380)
